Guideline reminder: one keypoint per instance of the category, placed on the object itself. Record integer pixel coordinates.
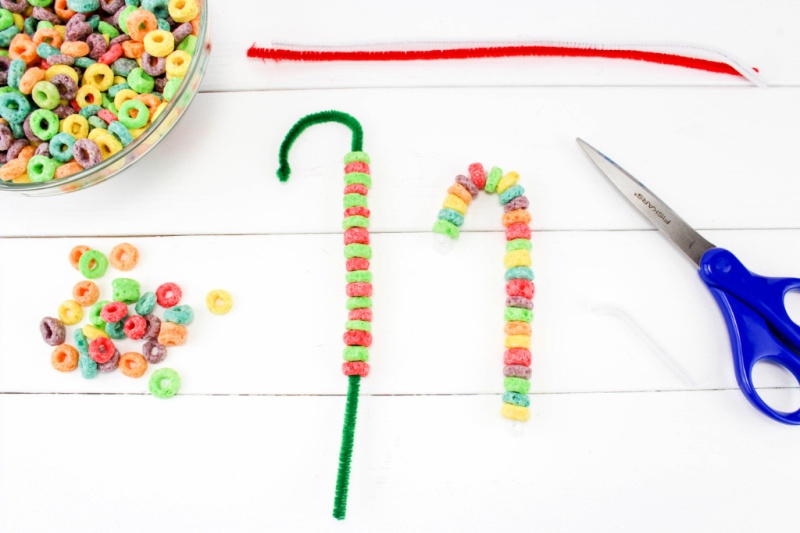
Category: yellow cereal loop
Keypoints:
(219, 302)
(178, 64)
(61, 69)
(518, 341)
(123, 96)
(517, 258)
(61, 29)
(159, 43)
(454, 202)
(137, 132)
(183, 10)
(19, 21)
(100, 76)
(92, 333)
(70, 313)
(75, 125)
(107, 143)
(119, 79)
(507, 181)
(23, 178)
(516, 412)
(158, 111)
(88, 95)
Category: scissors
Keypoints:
(753, 306)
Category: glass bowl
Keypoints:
(146, 142)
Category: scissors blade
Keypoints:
(651, 206)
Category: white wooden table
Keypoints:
(637, 421)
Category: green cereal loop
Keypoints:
(143, 114)
(123, 18)
(39, 3)
(164, 383)
(354, 200)
(353, 157)
(46, 95)
(140, 81)
(519, 273)
(171, 88)
(358, 178)
(495, 175)
(356, 221)
(518, 385)
(446, 228)
(518, 244)
(188, 44)
(50, 121)
(4, 53)
(44, 25)
(101, 264)
(359, 302)
(107, 29)
(359, 276)
(94, 314)
(358, 250)
(41, 169)
(359, 325)
(6, 19)
(518, 314)
(125, 290)
(356, 353)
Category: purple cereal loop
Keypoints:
(110, 365)
(86, 153)
(6, 137)
(3, 158)
(43, 149)
(63, 111)
(153, 327)
(53, 331)
(4, 64)
(160, 83)
(112, 6)
(154, 66)
(41, 13)
(77, 18)
(154, 352)
(78, 32)
(115, 18)
(517, 371)
(97, 45)
(16, 147)
(467, 184)
(520, 202)
(61, 59)
(26, 127)
(15, 6)
(119, 40)
(519, 301)
(67, 88)
(182, 32)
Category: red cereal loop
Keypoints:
(355, 290)
(517, 356)
(356, 235)
(101, 350)
(113, 53)
(357, 337)
(355, 368)
(356, 211)
(75, 105)
(356, 188)
(357, 263)
(520, 287)
(168, 295)
(135, 327)
(364, 314)
(107, 116)
(114, 312)
(356, 166)
(518, 231)
(478, 175)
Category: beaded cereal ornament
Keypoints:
(519, 276)
(357, 252)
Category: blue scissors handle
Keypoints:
(759, 326)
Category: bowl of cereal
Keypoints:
(90, 86)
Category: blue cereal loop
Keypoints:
(180, 314)
(83, 6)
(519, 272)
(146, 303)
(452, 216)
(159, 8)
(15, 71)
(122, 134)
(511, 193)
(61, 147)
(515, 398)
(14, 107)
(7, 34)
(90, 110)
(44, 50)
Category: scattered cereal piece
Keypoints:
(110, 365)
(70, 313)
(95, 312)
(146, 303)
(125, 290)
(101, 350)
(124, 257)
(172, 334)
(85, 293)
(154, 352)
(53, 331)
(164, 383)
(91, 332)
(153, 327)
(219, 302)
(65, 358)
(93, 264)
(168, 295)
(180, 314)
(75, 255)
(133, 365)
(114, 312)
(135, 327)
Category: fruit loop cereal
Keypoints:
(357, 252)
(519, 276)
(82, 79)
(219, 302)
(164, 383)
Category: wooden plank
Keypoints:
(695, 461)
(722, 158)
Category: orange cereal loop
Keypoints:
(151, 101)
(196, 25)
(75, 256)
(140, 23)
(64, 358)
(67, 170)
(22, 47)
(518, 215)
(26, 153)
(459, 190)
(13, 169)
(171, 334)
(124, 256)
(49, 36)
(62, 10)
(133, 364)
(85, 292)
(31, 77)
(132, 49)
(75, 49)
(518, 328)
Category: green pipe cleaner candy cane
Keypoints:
(357, 252)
